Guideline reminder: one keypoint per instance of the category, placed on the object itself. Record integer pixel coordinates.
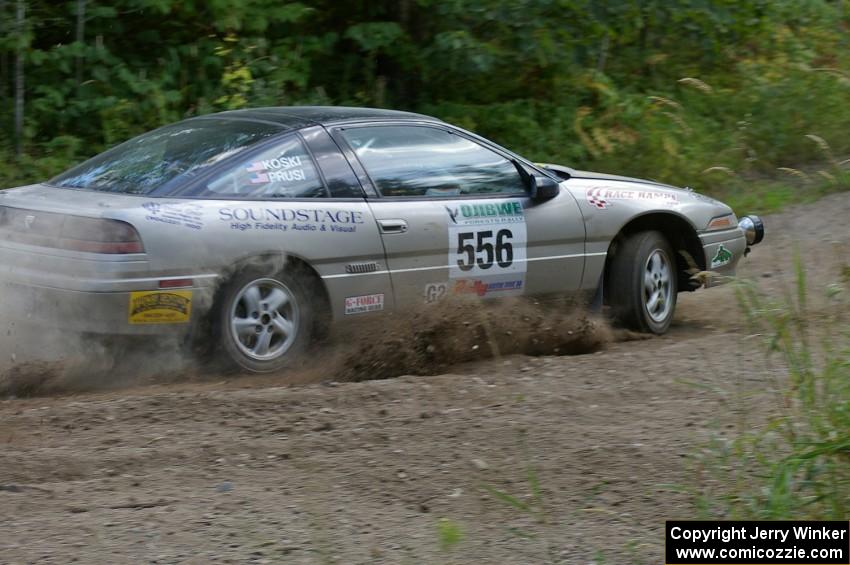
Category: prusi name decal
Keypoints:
(292, 219)
(281, 169)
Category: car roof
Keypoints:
(295, 117)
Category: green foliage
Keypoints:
(535, 507)
(796, 466)
(449, 533)
(666, 89)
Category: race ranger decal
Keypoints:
(158, 307)
(603, 197)
(486, 239)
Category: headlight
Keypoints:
(753, 228)
(722, 222)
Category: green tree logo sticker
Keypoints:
(722, 257)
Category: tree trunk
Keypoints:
(80, 38)
(4, 59)
(19, 79)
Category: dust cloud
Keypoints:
(431, 339)
(38, 360)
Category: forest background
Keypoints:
(747, 100)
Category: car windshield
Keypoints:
(170, 153)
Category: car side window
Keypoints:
(420, 161)
(284, 171)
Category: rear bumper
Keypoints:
(92, 293)
(104, 313)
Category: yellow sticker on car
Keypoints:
(160, 307)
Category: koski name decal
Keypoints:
(276, 170)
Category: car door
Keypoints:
(456, 218)
(298, 196)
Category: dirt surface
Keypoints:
(396, 470)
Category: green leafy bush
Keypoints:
(670, 90)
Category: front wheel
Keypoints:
(642, 283)
(263, 322)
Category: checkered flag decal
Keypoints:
(594, 198)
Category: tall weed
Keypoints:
(797, 465)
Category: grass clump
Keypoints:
(796, 466)
(449, 533)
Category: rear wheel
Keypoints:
(642, 283)
(263, 322)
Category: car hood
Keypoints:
(570, 173)
(605, 176)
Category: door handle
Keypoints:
(392, 226)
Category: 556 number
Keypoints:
(478, 248)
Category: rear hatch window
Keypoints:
(167, 155)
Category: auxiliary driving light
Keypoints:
(753, 228)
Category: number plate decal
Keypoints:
(486, 238)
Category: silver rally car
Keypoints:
(256, 228)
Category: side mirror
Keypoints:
(544, 188)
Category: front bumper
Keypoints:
(724, 249)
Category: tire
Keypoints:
(643, 283)
(263, 323)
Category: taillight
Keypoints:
(75, 233)
(100, 236)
